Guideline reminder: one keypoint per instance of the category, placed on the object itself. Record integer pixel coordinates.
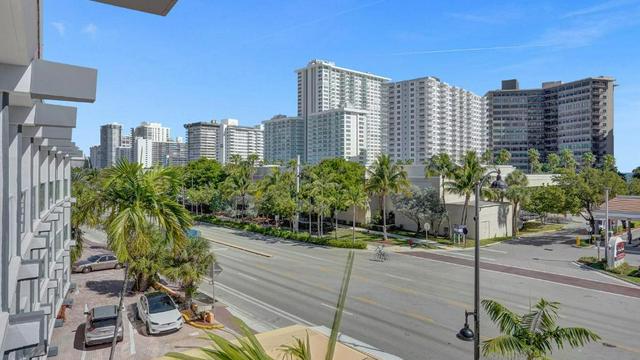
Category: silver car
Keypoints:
(97, 262)
(101, 322)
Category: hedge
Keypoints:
(282, 233)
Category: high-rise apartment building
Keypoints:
(427, 116)
(326, 91)
(577, 115)
(142, 152)
(222, 140)
(169, 152)
(95, 157)
(152, 131)
(283, 139)
(110, 140)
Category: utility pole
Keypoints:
(297, 226)
(606, 225)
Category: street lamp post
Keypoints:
(466, 333)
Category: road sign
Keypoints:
(217, 269)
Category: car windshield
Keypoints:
(94, 258)
(100, 323)
(160, 304)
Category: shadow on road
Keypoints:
(274, 240)
(105, 287)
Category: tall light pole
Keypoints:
(606, 224)
(465, 333)
(297, 226)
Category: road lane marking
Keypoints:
(247, 276)
(334, 308)
(399, 277)
(494, 251)
(132, 342)
(471, 256)
(264, 305)
(420, 317)
(365, 300)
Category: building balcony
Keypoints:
(25, 333)
(47, 80)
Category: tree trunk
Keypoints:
(464, 210)
(384, 218)
(514, 220)
(335, 216)
(318, 221)
(119, 311)
(353, 231)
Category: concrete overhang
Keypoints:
(24, 330)
(18, 31)
(52, 217)
(55, 81)
(157, 7)
(41, 114)
(48, 132)
(29, 270)
(43, 227)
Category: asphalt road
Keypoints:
(408, 306)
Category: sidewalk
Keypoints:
(405, 238)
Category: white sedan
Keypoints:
(159, 313)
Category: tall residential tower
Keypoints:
(342, 110)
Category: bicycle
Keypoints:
(380, 254)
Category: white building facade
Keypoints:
(152, 131)
(427, 116)
(223, 140)
(142, 152)
(322, 87)
(36, 154)
(283, 139)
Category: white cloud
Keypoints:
(59, 26)
(91, 29)
(602, 7)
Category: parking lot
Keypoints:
(102, 288)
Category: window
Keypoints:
(52, 192)
(23, 196)
(41, 198)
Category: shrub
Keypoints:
(282, 233)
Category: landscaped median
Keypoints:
(282, 233)
(625, 271)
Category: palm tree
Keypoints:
(385, 178)
(464, 180)
(190, 265)
(503, 157)
(532, 335)
(356, 197)
(567, 159)
(534, 161)
(131, 199)
(588, 159)
(517, 193)
(553, 162)
(84, 185)
(442, 166)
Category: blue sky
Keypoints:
(216, 59)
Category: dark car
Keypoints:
(97, 262)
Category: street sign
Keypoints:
(217, 269)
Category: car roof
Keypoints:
(104, 312)
(156, 295)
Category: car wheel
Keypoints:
(86, 269)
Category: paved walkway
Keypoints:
(632, 291)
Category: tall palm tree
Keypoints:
(441, 165)
(190, 265)
(588, 159)
(503, 157)
(385, 178)
(131, 199)
(357, 198)
(517, 193)
(533, 335)
(84, 185)
(534, 161)
(464, 180)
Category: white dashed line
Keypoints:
(399, 277)
(132, 342)
(333, 308)
(247, 276)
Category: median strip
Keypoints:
(240, 248)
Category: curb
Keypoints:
(240, 248)
(199, 326)
(584, 266)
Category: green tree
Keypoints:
(239, 182)
(609, 163)
(276, 195)
(146, 267)
(535, 166)
(356, 198)
(201, 173)
(634, 187)
(531, 336)
(588, 159)
(584, 190)
(128, 202)
(567, 159)
(544, 200)
(487, 157)
(190, 265)
(419, 205)
(518, 194)
(636, 173)
(503, 157)
(84, 184)
(464, 180)
(441, 165)
(553, 163)
(385, 178)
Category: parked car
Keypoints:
(159, 313)
(100, 323)
(97, 262)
